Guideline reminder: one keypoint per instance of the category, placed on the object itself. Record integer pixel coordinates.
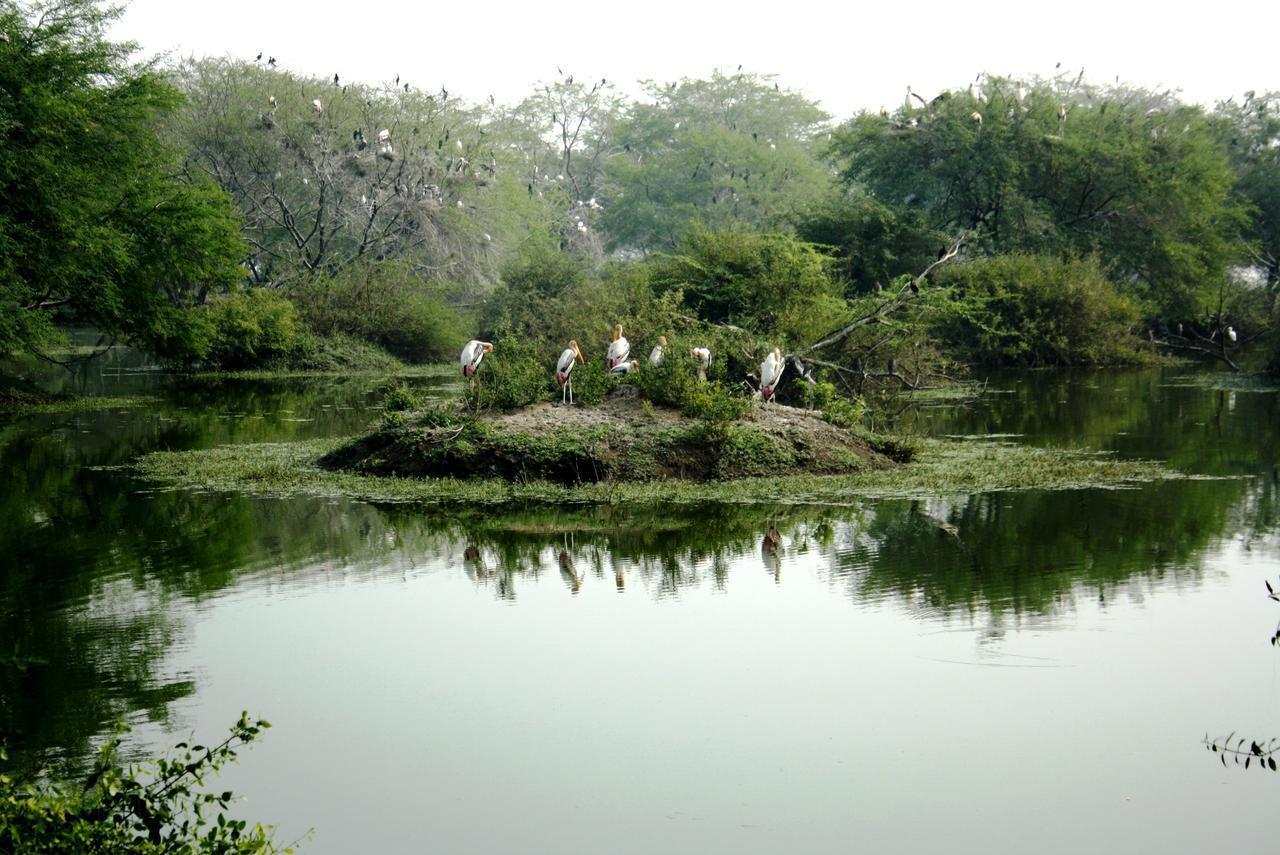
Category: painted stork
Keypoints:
(620, 349)
(703, 355)
(771, 373)
(659, 350)
(471, 356)
(628, 367)
(564, 370)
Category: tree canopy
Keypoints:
(99, 224)
(1056, 166)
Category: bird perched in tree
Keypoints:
(659, 350)
(384, 135)
(619, 350)
(569, 357)
(316, 106)
(771, 373)
(976, 116)
(335, 78)
(703, 357)
(471, 356)
(258, 58)
(271, 61)
(629, 367)
(1231, 333)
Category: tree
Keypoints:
(1059, 166)
(1250, 134)
(98, 223)
(328, 176)
(731, 151)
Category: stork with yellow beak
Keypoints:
(703, 356)
(771, 373)
(569, 357)
(619, 350)
(659, 350)
(471, 356)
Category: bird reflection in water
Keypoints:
(769, 546)
(474, 566)
(569, 573)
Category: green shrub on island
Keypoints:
(514, 375)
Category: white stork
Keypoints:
(619, 350)
(564, 369)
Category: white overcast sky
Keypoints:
(845, 57)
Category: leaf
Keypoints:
(1271, 763)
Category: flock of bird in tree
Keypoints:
(618, 361)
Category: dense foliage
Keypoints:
(99, 223)
(137, 199)
(1023, 309)
(156, 807)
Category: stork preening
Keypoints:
(472, 353)
(631, 366)
(569, 357)
(771, 373)
(619, 350)
(659, 350)
(703, 357)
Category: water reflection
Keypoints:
(104, 576)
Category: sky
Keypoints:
(844, 57)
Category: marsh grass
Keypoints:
(80, 405)
(942, 468)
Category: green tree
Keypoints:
(99, 225)
(1058, 166)
(732, 150)
(1250, 134)
(774, 284)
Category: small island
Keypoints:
(623, 438)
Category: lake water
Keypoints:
(1007, 672)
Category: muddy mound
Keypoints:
(622, 439)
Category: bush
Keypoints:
(388, 305)
(156, 807)
(1039, 310)
(751, 453)
(513, 376)
(251, 327)
(752, 280)
(400, 398)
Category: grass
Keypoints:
(943, 468)
(78, 405)
(399, 371)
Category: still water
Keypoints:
(1007, 672)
